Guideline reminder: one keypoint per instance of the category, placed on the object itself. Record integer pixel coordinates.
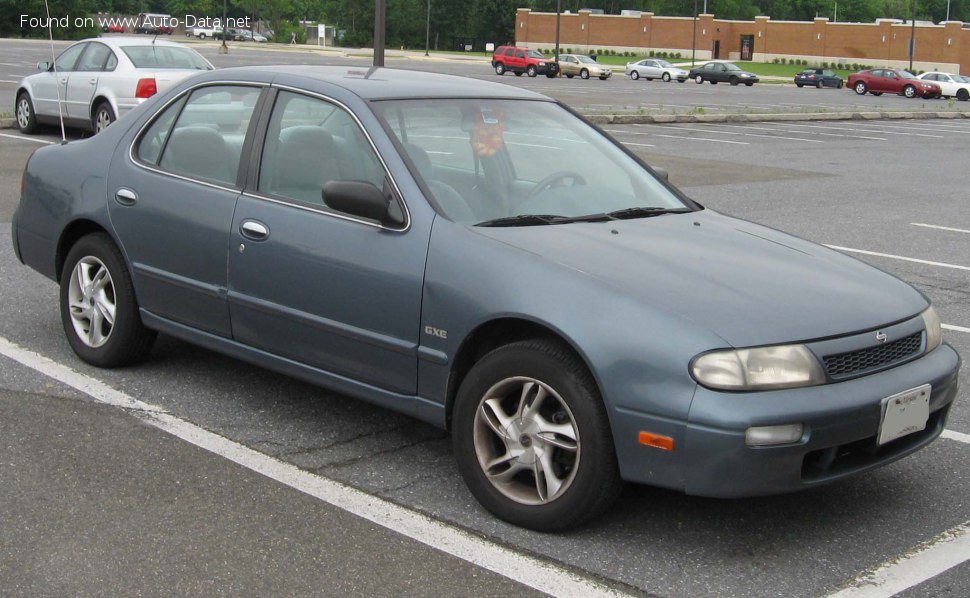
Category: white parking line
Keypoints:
(775, 128)
(944, 552)
(44, 141)
(637, 144)
(955, 328)
(938, 227)
(529, 571)
(882, 131)
(899, 257)
(681, 137)
(737, 133)
(958, 436)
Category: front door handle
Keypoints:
(253, 230)
(126, 197)
(94, 81)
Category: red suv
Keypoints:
(522, 60)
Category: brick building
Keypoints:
(943, 47)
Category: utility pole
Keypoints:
(380, 23)
(427, 31)
(224, 49)
(556, 56)
(947, 10)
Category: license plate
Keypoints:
(904, 413)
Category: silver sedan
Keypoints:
(654, 68)
(95, 81)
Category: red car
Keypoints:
(520, 60)
(898, 81)
(112, 28)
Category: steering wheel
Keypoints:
(554, 180)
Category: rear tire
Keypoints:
(500, 69)
(532, 438)
(818, 85)
(570, 76)
(26, 118)
(584, 74)
(798, 85)
(99, 311)
(861, 88)
(202, 36)
(103, 117)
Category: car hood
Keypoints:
(749, 284)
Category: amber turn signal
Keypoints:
(664, 443)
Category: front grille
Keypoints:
(854, 362)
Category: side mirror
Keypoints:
(661, 172)
(359, 198)
(43, 66)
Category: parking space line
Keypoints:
(949, 549)
(938, 227)
(637, 144)
(737, 133)
(44, 141)
(955, 328)
(681, 137)
(775, 128)
(882, 131)
(522, 568)
(899, 257)
(958, 436)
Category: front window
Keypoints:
(664, 64)
(731, 67)
(165, 57)
(586, 59)
(907, 75)
(485, 159)
(534, 54)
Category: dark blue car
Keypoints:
(818, 78)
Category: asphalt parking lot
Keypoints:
(890, 193)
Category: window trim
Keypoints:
(255, 162)
(243, 158)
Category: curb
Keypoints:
(641, 119)
(8, 123)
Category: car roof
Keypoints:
(119, 41)
(374, 83)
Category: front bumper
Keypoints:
(841, 421)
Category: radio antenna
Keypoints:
(57, 83)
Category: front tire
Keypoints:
(99, 311)
(532, 439)
(909, 91)
(531, 71)
(666, 77)
(733, 81)
(202, 36)
(103, 117)
(26, 118)
(963, 95)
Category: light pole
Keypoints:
(947, 10)
(380, 23)
(912, 38)
(427, 31)
(556, 56)
(693, 37)
(224, 49)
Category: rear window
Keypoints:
(165, 57)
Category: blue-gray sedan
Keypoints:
(478, 256)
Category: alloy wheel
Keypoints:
(23, 112)
(91, 297)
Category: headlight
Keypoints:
(934, 332)
(542, 64)
(761, 368)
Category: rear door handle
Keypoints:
(126, 197)
(254, 230)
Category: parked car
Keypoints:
(655, 68)
(98, 80)
(951, 85)
(818, 78)
(722, 72)
(204, 32)
(154, 24)
(574, 320)
(584, 66)
(520, 60)
(112, 28)
(231, 34)
(245, 35)
(897, 81)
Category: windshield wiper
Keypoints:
(643, 212)
(522, 220)
(532, 219)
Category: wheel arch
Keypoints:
(71, 234)
(100, 97)
(493, 334)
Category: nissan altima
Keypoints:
(479, 257)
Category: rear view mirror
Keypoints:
(43, 66)
(358, 198)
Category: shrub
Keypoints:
(775, 60)
(679, 55)
(651, 53)
(663, 54)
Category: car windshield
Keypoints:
(487, 159)
(586, 59)
(906, 75)
(534, 54)
(961, 79)
(165, 57)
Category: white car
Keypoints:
(951, 86)
(655, 68)
(95, 81)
